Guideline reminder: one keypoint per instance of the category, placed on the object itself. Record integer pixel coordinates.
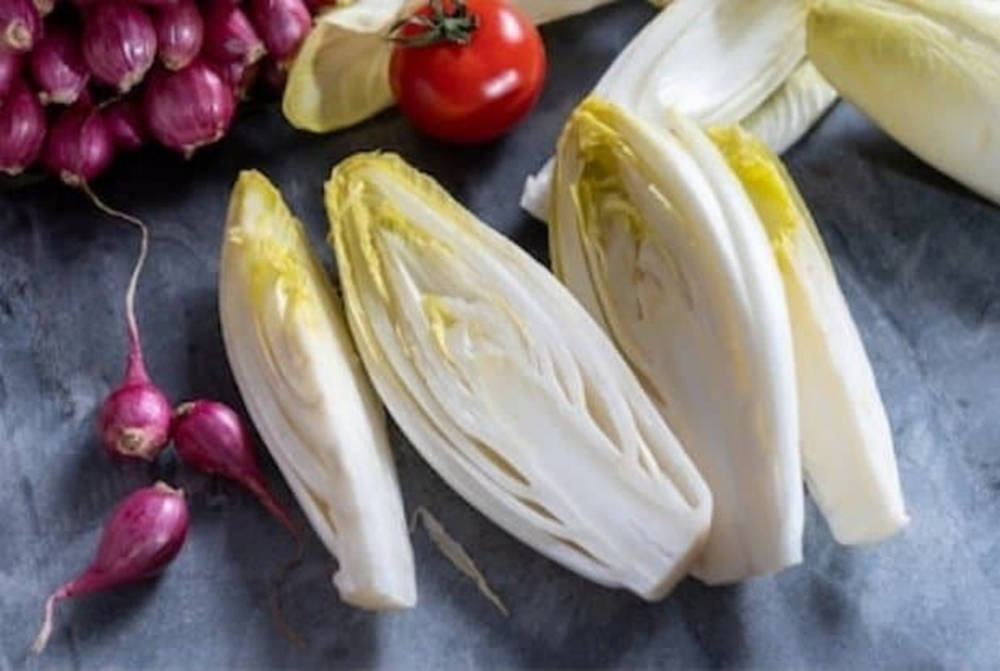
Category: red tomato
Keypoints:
(475, 91)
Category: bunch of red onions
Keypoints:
(81, 80)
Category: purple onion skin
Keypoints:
(45, 7)
(134, 422)
(142, 536)
(57, 66)
(179, 34)
(119, 43)
(22, 129)
(211, 437)
(124, 121)
(79, 147)
(20, 25)
(282, 25)
(189, 108)
(239, 76)
(10, 68)
(229, 35)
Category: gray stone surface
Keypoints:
(919, 259)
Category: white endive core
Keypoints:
(656, 236)
(507, 387)
(295, 365)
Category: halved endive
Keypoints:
(718, 62)
(306, 391)
(926, 71)
(655, 235)
(847, 448)
(507, 387)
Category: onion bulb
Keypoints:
(282, 24)
(79, 146)
(125, 123)
(229, 35)
(22, 128)
(10, 67)
(179, 32)
(57, 66)
(144, 534)
(189, 108)
(119, 43)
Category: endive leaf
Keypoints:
(341, 73)
(717, 62)
(506, 386)
(926, 71)
(792, 109)
(656, 237)
(296, 367)
(714, 60)
(846, 440)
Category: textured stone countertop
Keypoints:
(919, 260)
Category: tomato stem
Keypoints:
(455, 25)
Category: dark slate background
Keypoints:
(919, 260)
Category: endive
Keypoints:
(847, 449)
(652, 231)
(341, 74)
(506, 386)
(926, 71)
(718, 62)
(293, 360)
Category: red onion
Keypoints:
(119, 43)
(211, 437)
(158, 3)
(45, 7)
(134, 420)
(10, 67)
(57, 66)
(189, 108)
(239, 75)
(179, 31)
(123, 119)
(22, 128)
(20, 25)
(282, 25)
(144, 534)
(229, 35)
(79, 146)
